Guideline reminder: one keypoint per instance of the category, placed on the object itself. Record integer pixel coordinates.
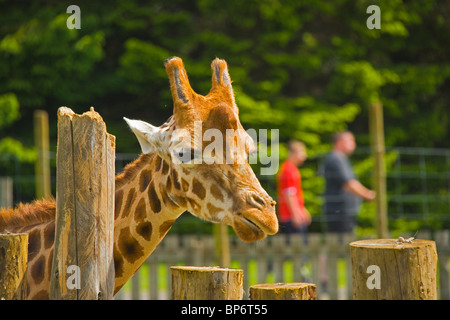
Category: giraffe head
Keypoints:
(207, 148)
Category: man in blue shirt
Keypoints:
(343, 193)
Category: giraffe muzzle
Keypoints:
(254, 224)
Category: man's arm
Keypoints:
(355, 187)
(300, 216)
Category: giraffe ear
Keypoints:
(149, 136)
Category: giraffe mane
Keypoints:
(132, 169)
(28, 214)
(41, 211)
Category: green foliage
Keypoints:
(307, 68)
(9, 109)
(10, 146)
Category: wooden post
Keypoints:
(332, 243)
(387, 269)
(283, 291)
(222, 243)
(442, 239)
(378, 150)
(6, 192)
(83, 265)
(13, 266)
(206, 283)
(41, 138)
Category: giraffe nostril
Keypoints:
(257, 201)
(260, 201)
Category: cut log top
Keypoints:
(92, 114)
(85, 118)
(394, 244)
(64, 111)
(205, 269)
(282, 286)
(283, 291)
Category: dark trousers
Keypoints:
(289, 229)
(340, 223)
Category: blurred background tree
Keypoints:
(307, 68)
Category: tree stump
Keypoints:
(283, 291)
(206, 283)
(13, 266)
(389, 269)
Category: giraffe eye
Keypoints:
(186, 155)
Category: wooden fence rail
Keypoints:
(279, 258)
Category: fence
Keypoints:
(418, 187)
(281, 258)
(418, 182)
(423, 193)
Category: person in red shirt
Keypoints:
(292, 214)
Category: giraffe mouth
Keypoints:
(253, 225)
(250, 228)
(247, 230)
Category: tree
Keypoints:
(306, 68)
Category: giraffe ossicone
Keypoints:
(153, 191)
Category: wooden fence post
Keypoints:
(222, 244)
(42, 141)
(387, 269)
(379, 174)
(13, 266)
(83, 265)
(283, 291)
(442, 238)
(6, 192)
(206, 283)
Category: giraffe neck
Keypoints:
(149, 196)
(148, 201)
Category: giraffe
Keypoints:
(154, 190)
